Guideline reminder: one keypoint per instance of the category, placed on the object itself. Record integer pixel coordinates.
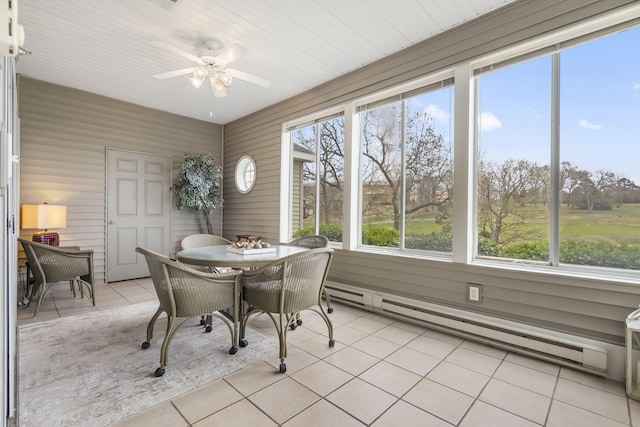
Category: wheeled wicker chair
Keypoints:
(198, 241)
(284, 288)
(312, 242)
(53, 264)
(187, 293)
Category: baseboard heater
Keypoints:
(545, 344)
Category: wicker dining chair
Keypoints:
(199, 240)
(312, 242)
(187, 293)
(286, 287)
(52, 264)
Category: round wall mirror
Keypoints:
(245, 174)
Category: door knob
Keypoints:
(111, 222)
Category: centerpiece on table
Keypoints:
(249, 244)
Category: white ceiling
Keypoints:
(105, 46)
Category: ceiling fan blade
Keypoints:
(249, 77)
(175, 73)
(168, 47)
(230, 54)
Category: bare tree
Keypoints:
(427, 159)
(569, 179)
(624, 190)
(331, 169)
(327, 140)
(593, 190)
(504, 190)
(429, 165)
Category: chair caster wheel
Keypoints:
(159, 372)
(244, 343)
(332, 343)
(233, 350)
(293, 326)
(330, 310)
(299, 322)
(208, 329)
(202, 322)
(146, 345)
(283, 368)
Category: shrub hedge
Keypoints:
(624, 256)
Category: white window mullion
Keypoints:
(316, 196)
(464, 188)
(286, 166)
(403, 171)
(352, 185)
(554, 203)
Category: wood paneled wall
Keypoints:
(589, 307)
(64, 134)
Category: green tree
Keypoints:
(198, 186)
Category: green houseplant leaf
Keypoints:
(198, 186)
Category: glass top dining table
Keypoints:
(218, 256)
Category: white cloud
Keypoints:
(588, 125)
(437, 114)
(489, 122)
(636, 86)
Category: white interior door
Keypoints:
(139, 211)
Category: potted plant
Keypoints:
(198, 186)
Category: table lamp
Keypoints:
(44, 216)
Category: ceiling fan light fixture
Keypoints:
(199, 74)
(211, 64)
(196, 82)
(224, 78)
(219, 88)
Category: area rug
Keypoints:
(90, 370)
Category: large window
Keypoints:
(406, 171)
(318, 178)
(513, 178)
(558, 148)
(546, 164)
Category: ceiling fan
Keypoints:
(212, 63)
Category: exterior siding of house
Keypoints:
(297, 202)
(587, 307)
(64, 134)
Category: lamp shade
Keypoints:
(44, 216)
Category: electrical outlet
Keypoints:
(474, 293)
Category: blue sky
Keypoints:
(600, 107)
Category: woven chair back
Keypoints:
(292, 284)
(311, 242)
(200, 240)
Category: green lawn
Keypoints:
(618, 225)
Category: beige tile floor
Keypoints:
(381, 372)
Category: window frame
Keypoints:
(464, 152)
(400, 96)
(577, 37)
(287, 160)
(245, 168)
